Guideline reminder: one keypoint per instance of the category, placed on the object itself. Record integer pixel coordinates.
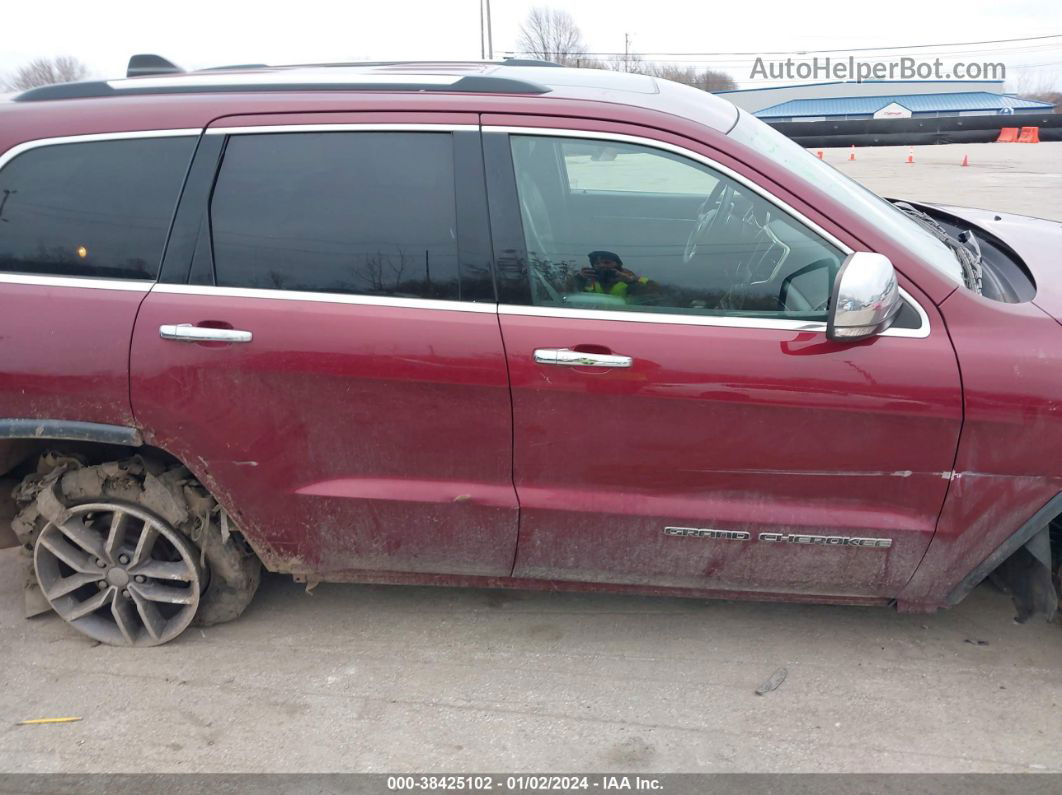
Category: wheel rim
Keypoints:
(119, 574)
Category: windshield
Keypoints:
(794, 158)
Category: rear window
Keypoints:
(363, 213)
(100, 208)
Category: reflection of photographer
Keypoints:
(607, 276)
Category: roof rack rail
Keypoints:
(513, 61)
(146, 64)
(286, 80)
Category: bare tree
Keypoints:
(46, 71)
(552, 35)
(1040, 86)
(704, 79)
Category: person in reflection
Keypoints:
(607, 276)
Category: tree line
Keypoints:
(44, 72)
(551, 34)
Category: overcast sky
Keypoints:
(197, 33)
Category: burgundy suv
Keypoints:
(501, 325)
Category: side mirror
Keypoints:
(865, 299)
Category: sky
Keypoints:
(200, 33)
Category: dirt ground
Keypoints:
(376, 679)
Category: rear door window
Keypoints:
(365, 213)
(96, 209)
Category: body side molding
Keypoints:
(70, 431)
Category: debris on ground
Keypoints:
(41, 721)
(773, 682)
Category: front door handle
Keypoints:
(570, 358)
(186, 332)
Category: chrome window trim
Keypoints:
(700, 320)
(25, 146)
(326, 298)
(719, 321)
(378, 127)
(433, 304)
(90, 282)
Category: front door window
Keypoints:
(619, 226)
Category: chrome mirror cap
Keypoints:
(866, 298)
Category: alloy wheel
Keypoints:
(119, 574)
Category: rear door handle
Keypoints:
(186, 332)
(569, 358)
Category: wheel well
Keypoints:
(18, 458)
(1032, 574)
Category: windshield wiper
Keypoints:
(965, 247)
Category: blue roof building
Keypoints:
(967, 103)
(882, 99)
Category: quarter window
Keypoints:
(347, 212)
(100, 208)
(618, 226)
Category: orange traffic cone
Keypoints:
(819, 153)
(910, 156)
(851, 154)
(965, 161)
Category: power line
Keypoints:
(840, 49)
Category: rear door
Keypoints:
(681, 419)
(324, 350)
(83, 222)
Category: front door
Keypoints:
(326, 354)
(680, 417)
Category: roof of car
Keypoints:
(517, 77)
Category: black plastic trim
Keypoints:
(70, 431)
(89, 88)
(473, 221)
(470, 84)
(190, 221)
(506, 225)
(530, 62)
(1020, 538)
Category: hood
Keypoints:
(1037, 241)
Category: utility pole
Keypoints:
(482, 51)
(490, 34)
(626, 52)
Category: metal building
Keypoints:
(894, 99)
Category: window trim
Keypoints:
(728, 321)
(326, 298)
(90, 282)
(922, 332)
(25, 146)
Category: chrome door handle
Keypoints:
(570, 358)
(186, 332)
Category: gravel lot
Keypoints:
(360, 678)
